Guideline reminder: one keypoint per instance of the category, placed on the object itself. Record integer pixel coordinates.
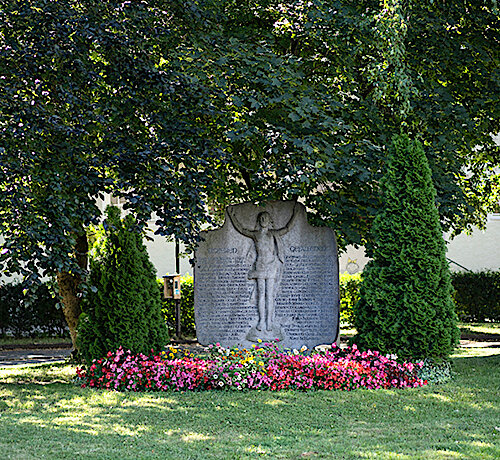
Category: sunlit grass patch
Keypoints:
(38, 373)
(456, 419)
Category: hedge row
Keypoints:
(477, 295)
(349, 295)
(30, 314)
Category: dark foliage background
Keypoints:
(22, 316)
(477, 295)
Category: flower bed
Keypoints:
(264, 367)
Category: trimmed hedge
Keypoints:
(187, 308)
(477, 295)
(35, 318)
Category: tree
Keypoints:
(123, 308)
(405, 304)
(183, 104)
(86, 109)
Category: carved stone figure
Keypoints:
(267, 269)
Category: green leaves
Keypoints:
(177, 106)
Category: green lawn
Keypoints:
(43, 415)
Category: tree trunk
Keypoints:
(69, 287)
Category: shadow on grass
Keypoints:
(457, 420)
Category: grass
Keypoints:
(43, 415)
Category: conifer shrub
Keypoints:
(123, 305)
(405, 304)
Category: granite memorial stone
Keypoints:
(267, 275)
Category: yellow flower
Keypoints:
(259, 340)
(261, 363)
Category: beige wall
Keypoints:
(478, 251)
(162, 254)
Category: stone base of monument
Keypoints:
(275, 334)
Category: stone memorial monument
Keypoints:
(267, 275)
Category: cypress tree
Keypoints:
(123, 305)
(405, 304)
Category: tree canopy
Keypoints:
(86, 108)
(314, 91)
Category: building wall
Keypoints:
(478, 251)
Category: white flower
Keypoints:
(304, 348)
(215, 376)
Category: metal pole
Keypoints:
(177, 301)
